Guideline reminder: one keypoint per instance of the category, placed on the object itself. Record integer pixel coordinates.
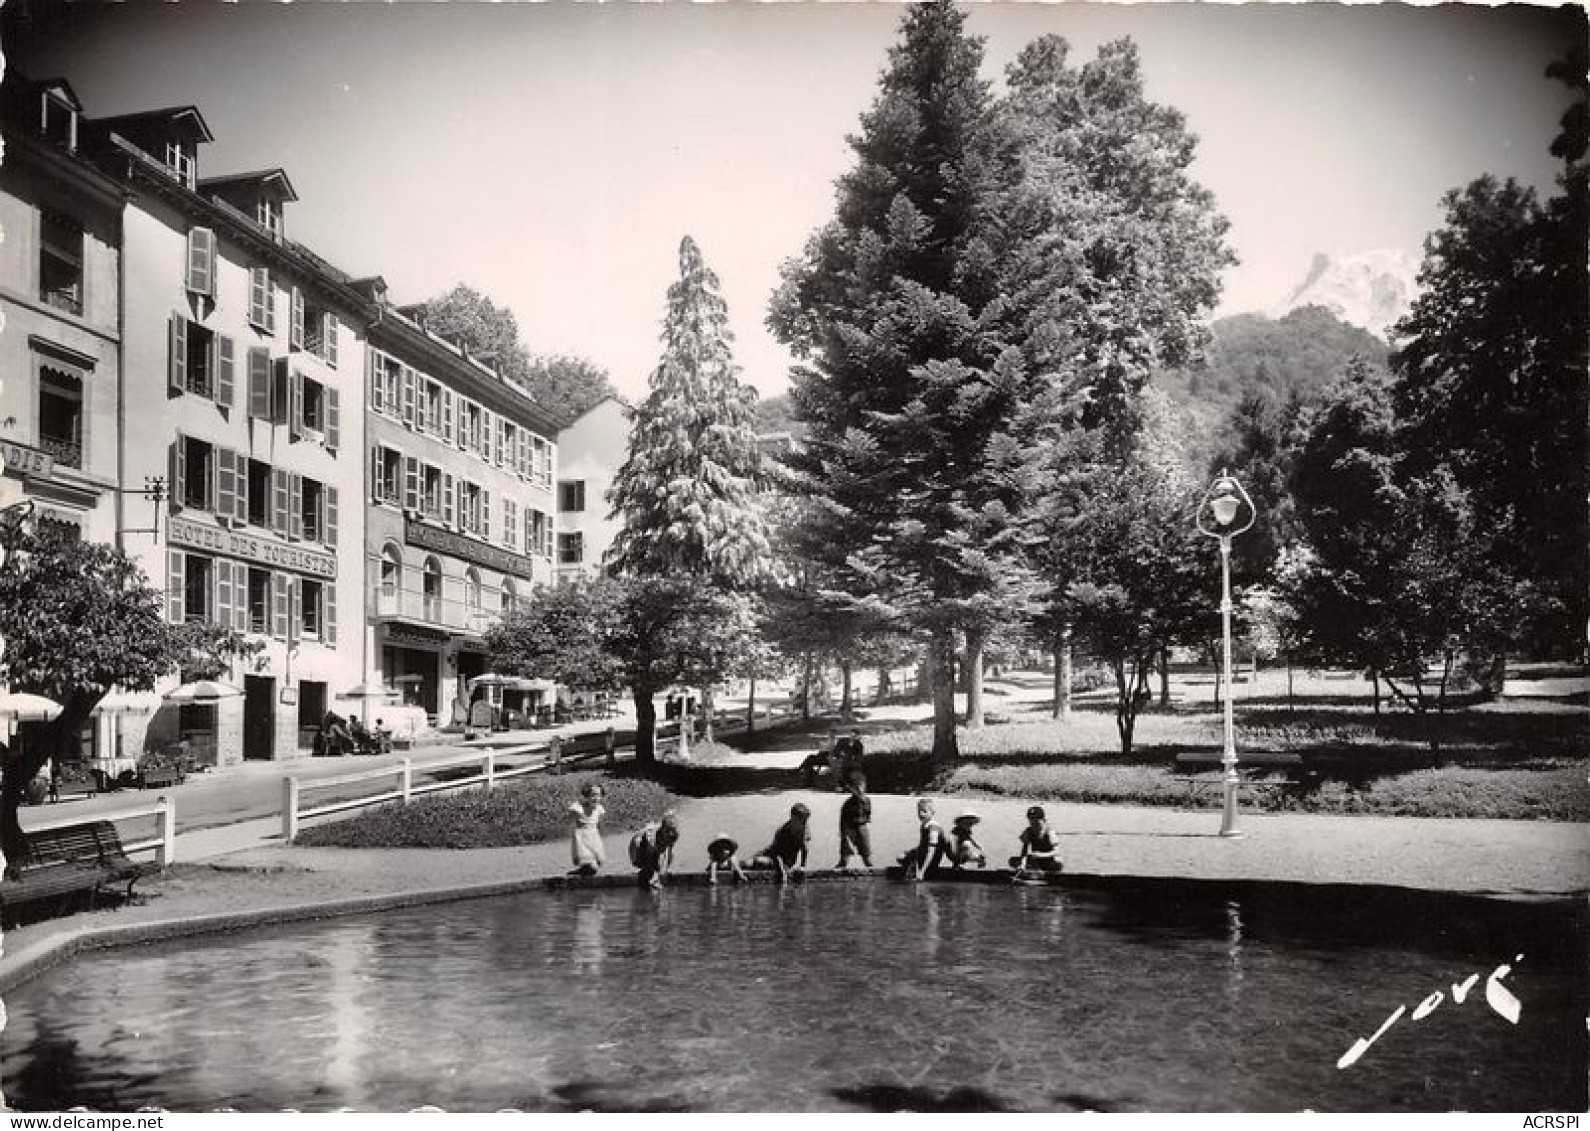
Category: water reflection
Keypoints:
(826, 996)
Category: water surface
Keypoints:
(830, 996)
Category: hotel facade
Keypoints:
(284, 451)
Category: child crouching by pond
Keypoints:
(652, 850)
(721, 853)
(1039, 854)
(788, 851)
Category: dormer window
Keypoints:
(179, 159)
(269, 215)
(57, 119)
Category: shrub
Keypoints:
(531, 810)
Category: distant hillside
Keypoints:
(1296, 355)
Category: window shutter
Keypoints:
(295, 609)
(488, 433)
(259, 384)
(279, 386)
(375, 475)
(225, 385)
(279, 605)
(258, 285)
(295, 506)
(201, 261)
(240, 597)
(408, 396)
(225, 483)
(177, 363)
(333, 419)
(328, 612)
(176, 586)
(270, 314)
(295, 405)
(373, 381)
(447, 499)
(330, 339)
(279, 499)
(411, 483)
(223, 592)
(328, 521)
(179, 473)
(485, 514)
(448, 423)
(295, 337)
(240, 511)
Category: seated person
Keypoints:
(820, 763)
(652, 850)
(930, 847)
(1038, 851)
(964, 849)
(721, 854)
(788, 851)
(383, 737)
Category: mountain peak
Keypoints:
(1370, 289)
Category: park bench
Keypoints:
(77, 860)
(581, 746)
(1203, 770)
(157, 777)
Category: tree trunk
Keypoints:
(1291, 706)
(975, 645)
(942, 650)
(1374, 675)
(806, 687)
(750, 709)
(884, 685)
(645, 728)
(1062, 674)
(1164, 678)
(35, 745)
(846, 707)
(707, 708)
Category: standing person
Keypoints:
(855, 821)
(586, 844)
(790, 844)
(1038, 851)
(721, 853)
(851, 752)
(652, 850)
(930, 846)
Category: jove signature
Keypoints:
(1497, 996)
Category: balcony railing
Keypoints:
(436, 612)
(65, 452)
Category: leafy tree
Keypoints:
(1109, 251)
(568, 387)
(687, 489)
(77, 618)
(906, 399)
(490, 332)
(1402, 578)
(1142, 576)
(560, 633)
(1491, 383)
(646, 634)
(565, 386)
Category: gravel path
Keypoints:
(1498, 857)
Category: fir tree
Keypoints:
(904, 394)
(687, 490)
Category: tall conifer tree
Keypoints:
(687, 490)
(905, 393)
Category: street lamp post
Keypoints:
(1225, 512)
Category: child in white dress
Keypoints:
(586, 845)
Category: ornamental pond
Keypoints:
(843, 996)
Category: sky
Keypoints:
(552, 155)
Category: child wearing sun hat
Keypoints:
(964, 849)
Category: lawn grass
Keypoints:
(530, 810)
(1557, 794)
